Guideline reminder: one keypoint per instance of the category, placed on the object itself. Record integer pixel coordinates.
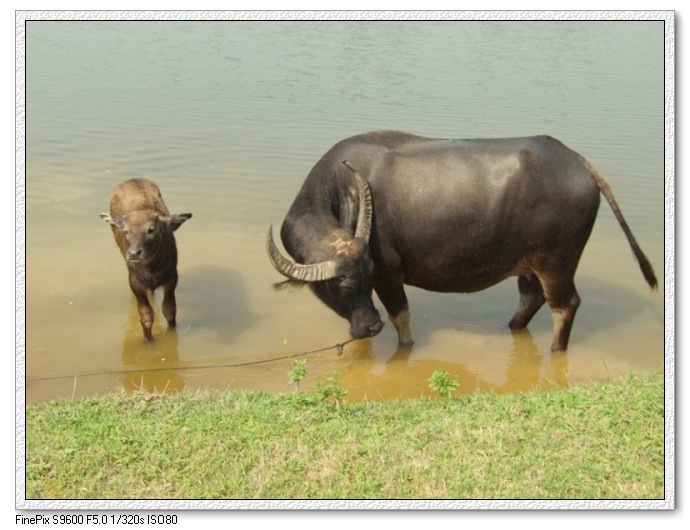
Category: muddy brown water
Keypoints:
(229, 117)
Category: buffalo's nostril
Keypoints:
(376, 327)
(134, 254)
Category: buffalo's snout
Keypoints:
(134, 254)
(366, 331)
(365, 324)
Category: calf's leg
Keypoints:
(169, 304)
(145, 311)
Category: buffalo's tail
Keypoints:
(645, 265)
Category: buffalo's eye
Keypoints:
(151, 229)
(348, 286)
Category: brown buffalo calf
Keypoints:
(143, 230)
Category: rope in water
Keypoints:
(338, 347)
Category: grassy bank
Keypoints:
(603, 441)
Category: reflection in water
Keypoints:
(367, 376)
(156, 361)
(523, 371)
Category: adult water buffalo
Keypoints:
(384, 209)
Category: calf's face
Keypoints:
(143, 232)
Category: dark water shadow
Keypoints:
(215, 300)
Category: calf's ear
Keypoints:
(177, 219)
(113, 221)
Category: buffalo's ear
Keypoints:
(117, 221)
(177, 219)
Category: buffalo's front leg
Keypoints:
(392, 295)
(401, 321)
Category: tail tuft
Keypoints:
(647, 270)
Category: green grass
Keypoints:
(603, 441)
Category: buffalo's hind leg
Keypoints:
(531, 300)
(563, 301)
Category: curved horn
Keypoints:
(366, 208)
(316, 272)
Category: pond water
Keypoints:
(229, 117)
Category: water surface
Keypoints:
(229, 117)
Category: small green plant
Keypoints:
(331, 389)
(324, 392)
(297, 373)
(443, 383)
